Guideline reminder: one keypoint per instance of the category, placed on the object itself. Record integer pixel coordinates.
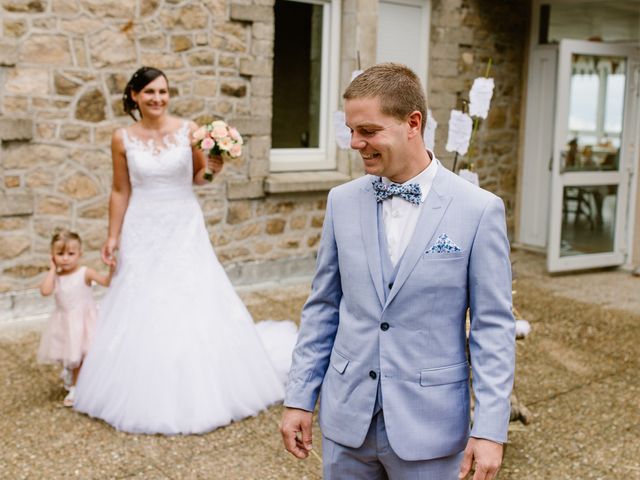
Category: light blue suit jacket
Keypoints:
(421, 359)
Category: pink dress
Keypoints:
(70, 329)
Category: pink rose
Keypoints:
(207, 144)
(236, 151)
(225, 144)
(235, 135)
(219, 132)
(200, 133)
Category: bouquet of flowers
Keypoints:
(218, 139)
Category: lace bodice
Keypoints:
(169, 164)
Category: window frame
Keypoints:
(324, 156)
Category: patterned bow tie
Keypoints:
(411, 193)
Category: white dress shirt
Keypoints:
(400, 217)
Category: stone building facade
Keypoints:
(63, 67)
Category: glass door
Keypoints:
(593, 154)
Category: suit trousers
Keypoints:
(376, 460)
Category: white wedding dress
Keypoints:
(175, 349)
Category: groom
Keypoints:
(405, 251)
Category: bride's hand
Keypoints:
(108, 251)
(215, 164)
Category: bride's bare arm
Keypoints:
(200, 161)
(119, 199)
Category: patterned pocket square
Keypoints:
(444, 245)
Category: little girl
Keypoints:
(71, 325)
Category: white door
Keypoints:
(594, 153)
(403, 34)
(533, 224)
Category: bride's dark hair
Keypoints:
(139, 80)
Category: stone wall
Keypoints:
(64, 64)
(465, 34)
(63, 69)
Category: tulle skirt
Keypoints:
(68, 335)
(175, 349)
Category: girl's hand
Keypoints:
(48, 283)
(215, 164)
(108, 251)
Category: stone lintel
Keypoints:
(251, 13)
(16, 204)
(245, 189)
(291, 182)
(252, 125)
(12, 129)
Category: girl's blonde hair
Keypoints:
(64, 235)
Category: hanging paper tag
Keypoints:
(460, 126)
(355, 73)
(430, 131)
(480, 97)
(343, 134)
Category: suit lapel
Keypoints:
(369, 225)
(433, 210)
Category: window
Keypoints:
(402, 23)
(305, 80)
(596, 106)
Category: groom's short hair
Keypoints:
(396, 85)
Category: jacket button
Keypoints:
(390, 285)
(384, 326)
(373, 374)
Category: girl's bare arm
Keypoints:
(48, 284)
(103, 279)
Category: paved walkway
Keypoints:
(577, 373)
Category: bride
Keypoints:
(175, 350)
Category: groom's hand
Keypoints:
(295, 428)
(487, 456)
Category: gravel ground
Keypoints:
(576, 372)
